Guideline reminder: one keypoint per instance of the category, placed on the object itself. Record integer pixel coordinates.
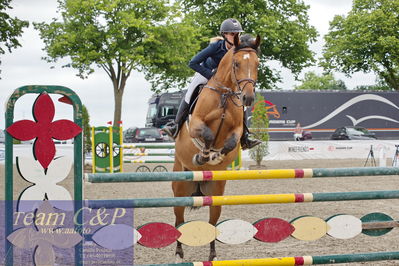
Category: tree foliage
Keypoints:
(380, 85)
(366, 40)
(283, 26)
(260, 120)
(323, 82)
(86, 130)
(120, 36)
(10, 28)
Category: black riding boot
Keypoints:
(246, 142)
(173, 127)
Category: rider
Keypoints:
(205, 63)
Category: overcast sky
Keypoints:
(24, 66)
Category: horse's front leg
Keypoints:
(229, 145)
(198, 129)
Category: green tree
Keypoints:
(379, 86)
(260, 122)
(120, 36)
(365, 40)
(283, 26)
(86, 130)
(323, 82)
(10, 28)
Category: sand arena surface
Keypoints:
(252, 213)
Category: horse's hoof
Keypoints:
(216, 158)
(178, 259)
(197, 160)
(212, 258)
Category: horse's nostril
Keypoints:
(249, 101)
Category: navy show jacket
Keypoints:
(209, 58)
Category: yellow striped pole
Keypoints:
(259, 174)
(93, 152)
(121, 149)
(286, 261)
(111, 153)
(258, 199)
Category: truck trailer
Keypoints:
(318, 112)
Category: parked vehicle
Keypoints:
(147, 134)
(350, 132)
(162, 108)
(128, 134)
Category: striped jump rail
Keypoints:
(302, 260)
(148, 161)
(149, 154)
(240, 175)
(137, 146)
(242, 199)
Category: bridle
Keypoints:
(248, 80)
(229, 91)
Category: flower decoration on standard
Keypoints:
(44, 184)
(44, 129)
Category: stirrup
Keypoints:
(247, 143)
(170, 129)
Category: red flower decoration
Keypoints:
(44, 130)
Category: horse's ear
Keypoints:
(236, 40)
(257, 41)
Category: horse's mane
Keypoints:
(247, 41)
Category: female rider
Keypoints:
(205, 63)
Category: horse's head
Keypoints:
(245, 66)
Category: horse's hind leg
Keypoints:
(179, 211)
(216, 189)
(180, 189)
(179, 214)
(214, 214)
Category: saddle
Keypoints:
(194, 98)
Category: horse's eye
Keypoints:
(236, 64)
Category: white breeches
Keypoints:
(195, 81)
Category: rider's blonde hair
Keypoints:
(215, 39)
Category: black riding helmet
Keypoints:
(230, 25)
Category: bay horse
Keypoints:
(210, 141)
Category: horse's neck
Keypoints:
(223, 73)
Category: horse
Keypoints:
(209, 141)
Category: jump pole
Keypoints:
(93, 150)
(111, 149)
(242, 199)
(293, 261)
(241, 175)
(121, 149)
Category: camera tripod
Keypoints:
(371, 157)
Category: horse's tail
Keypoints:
(197, 193)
